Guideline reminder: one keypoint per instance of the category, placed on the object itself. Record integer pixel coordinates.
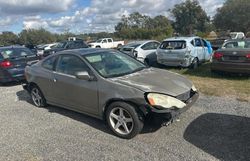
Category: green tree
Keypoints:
(189, 17)
(36, 36)
(8, 38)
(233, 15)
(137, 26)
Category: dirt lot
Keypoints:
(215, 128)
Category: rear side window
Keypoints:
(49, 63)
(173, 45)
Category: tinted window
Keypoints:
(49, 63)
(104, 41)
(109, 40)
(15, 52)
(69, 64)
(173, 45)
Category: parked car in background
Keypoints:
(66, 45)
(13, 60)
(42, 48)
(106, 43)
(183, 52)
(233, 57)
(109, 85)
(144, 51)
(237, 35)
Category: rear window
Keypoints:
(173, 45)
(237, 44)
(15, 53)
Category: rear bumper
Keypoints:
(243, 68)
(9, 78)
(185, 62)
(174, 111)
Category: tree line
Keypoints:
(186, 18)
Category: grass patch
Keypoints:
(218, 84)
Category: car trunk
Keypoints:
(235, 55)
(173, 50)
(15, 64)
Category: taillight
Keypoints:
(248, 56)
(5, 64)
(218, 55)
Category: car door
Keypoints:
(110, 43)
(199, 49)
(69, 91)
(207, 55)
(105, 43)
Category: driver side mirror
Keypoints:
(84, 75)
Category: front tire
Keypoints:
(37, 96)
(123, 120)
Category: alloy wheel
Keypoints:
(121, 121)
(36, 97)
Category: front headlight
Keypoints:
(193, 88)
(164, 101)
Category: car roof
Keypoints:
(12, 47)
(84, 51)
(181, 38)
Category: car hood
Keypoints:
(156, 80)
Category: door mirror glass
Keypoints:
(84, 75)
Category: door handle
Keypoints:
(54, 80)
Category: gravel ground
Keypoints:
(214, 128)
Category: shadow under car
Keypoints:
(226, 137)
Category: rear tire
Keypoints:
(37, 96)
(123, 120)
(195, 63)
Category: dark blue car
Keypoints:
(13, 60)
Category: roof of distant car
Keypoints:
(85, 51)
(12, 47)
(181, 38)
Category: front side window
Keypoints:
(113, 64)
(49, 63)
(70, 65)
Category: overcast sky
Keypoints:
(81, 16)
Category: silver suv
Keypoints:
(183, 51)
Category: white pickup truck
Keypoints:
(106, 43)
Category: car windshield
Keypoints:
(113, 64)
(173, 45)
(237, 44)
(60, 45)
(15, 53)
(133, 45)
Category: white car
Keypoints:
(106, 43)
(183, 52)
(143, 51)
